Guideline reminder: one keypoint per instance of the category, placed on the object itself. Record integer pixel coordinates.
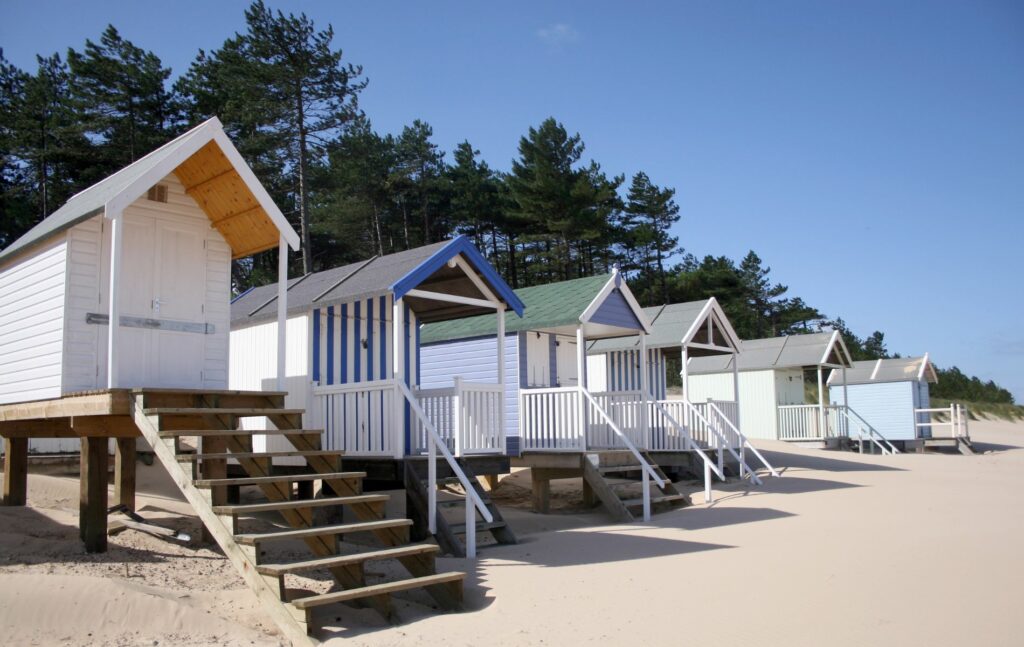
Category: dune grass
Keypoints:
(978, 410)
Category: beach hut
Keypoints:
(684, 330)
(773, 390)
(556, 423)
(892, 395)
(354, 364)
(114, 324)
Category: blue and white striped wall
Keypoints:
(623, 371)
(352, 342)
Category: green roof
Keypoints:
(547, 306)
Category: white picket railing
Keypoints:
(436, 443)
(803, 422)
(738, 441)
(857, 428)
(954, 426)
(356, 418)
(624, 410)
(467, 417)
(551, 419)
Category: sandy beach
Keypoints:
(844, 549)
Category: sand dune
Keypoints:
(844, 549)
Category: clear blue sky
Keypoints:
(871, 152)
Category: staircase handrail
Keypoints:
(744, 442)
(437, 443)
(724, 442)
(709, 465)
(887, 448)
(647, 470)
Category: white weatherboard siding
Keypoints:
(886, 406)
(32, 323)
(159, 235)
(758, 415)
(597, 372)
(789, 387)
(253, 367)
(475, 360)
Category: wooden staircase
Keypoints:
(451, 512)
(165, 417)
(604, 473)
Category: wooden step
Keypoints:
(377, 589)
(620, 468)
(174, 433)
(666, 498)
(243, 412)
(205, 392)
(249, 508)
(481, 526)
(253, 539)
(184, 458)
(281, 478)
(347, 560)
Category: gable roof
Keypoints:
(393, 273)
(898, 369)
(794, 351)
(677, 324)
(562, 305)
(214, 174)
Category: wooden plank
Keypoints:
(171, 433)
(15, 471)
(104, 426)
(105, 403)
(605, 493)
(279, 478)
(218, 456)
(352, 558)
(339, 529)
(380, 589)
(309, 503)
(124, 472)
(53, 428)
(92, 508)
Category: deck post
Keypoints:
(736, 399)
(124, 472)
(846, 408)
(821, 406)
(684, 375)
(501, 378)
(397, 362)
(282, 310)
(644, 394)
(113, 299)
(15, 471)
(457, 422)
(581, 383)
(92, 507)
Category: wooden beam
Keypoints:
(124, 472)
(104, 427)
(53, 428)
(15, 471)
(212, 178)
(92, 507)
(106, 403)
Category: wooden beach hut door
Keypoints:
(163, 296)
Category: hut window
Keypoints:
(157, 193)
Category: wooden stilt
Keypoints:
(214, 469)
(124, 472)
(92, 509)
(15, 471)
(589, 497)
(541, 492)
(304, 490)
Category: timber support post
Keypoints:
(92, 509)
(124, 473)
(15, 471)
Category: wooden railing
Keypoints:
(357, 418)
(928, 425)
(551, 419)
(804, 422)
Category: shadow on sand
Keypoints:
(786, 461)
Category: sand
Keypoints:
(844, 549)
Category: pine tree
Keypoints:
(652, 211)
(476, 200)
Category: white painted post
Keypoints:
(282, 311)
(457, 422)
(470, 527)
(644, 398)
(707, 482)
(647, 496)
(846, 405)
(736, 387)
(397, 359)
(684, 375)
(113, 298)
(432, 485)
(501, 378)
(821, 406)
(581, 383)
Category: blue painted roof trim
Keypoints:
(461, 245)
(243, 294)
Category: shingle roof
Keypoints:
(669, 323)
(898, 369)
(794, 351)
(360, 280)
(547, 306)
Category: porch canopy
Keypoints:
(600, 306)
(440, 282)
(898, 369)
